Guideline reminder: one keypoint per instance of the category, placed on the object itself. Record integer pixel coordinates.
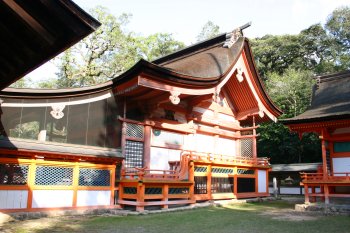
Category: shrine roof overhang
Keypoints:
(330, 102)
(202, 70)
(29, 147)
(33, 32)
(24, 93)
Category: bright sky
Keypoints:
(185, 18)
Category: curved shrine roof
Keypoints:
(330, 100)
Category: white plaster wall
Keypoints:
(13, 199)
(160, 157)
(204, 143)
(93, 198)
(204, 111)
(189, 142)
(341, 165)
(52, 198)
(292, 190)
(226, 147)
(226, 117)
(262, 181)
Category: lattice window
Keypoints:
(247, 147)
(94, 177)
(133, 154)
(130, 190)
(47, 175)
(245, 172)
(134, 130)
(153, 191)
(222, 170)
(222, 184)
(13, 174)
(200, 169)
(200, 184)
(179, 190)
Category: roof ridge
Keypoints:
(332, 76)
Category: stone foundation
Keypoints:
(330, 209)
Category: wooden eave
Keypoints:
(258, 84)
(23, 147)
(319, 126)
(248, 98)
(33, 32)
(27, 93)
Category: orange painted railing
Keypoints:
(334, 176)
(180, 173)
(231, 160)
(181, 170)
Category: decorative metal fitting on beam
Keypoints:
(261, 113)
(174, 97)
(57, 111)
(239, 75)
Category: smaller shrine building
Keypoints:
(329, 117)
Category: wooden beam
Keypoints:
(198, 99)
(147, 82)
(34, 24)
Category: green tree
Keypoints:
(338, 28)
(275, 54)
(25, 82)
(283, 146)
(157, 45)
(101, 56)
(108, 52)
(209, 30)
(291, 91)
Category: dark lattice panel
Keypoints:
(13, 174)
(130, 190)
(133, 154)
(245, 185)
(200, 169)
(94, 177)
(200, 184)
(247, 147)
(222, 184)
(179, 190)
(134, 130)
(221, 170)
(47, 175)
(245, 172)
(153, 191)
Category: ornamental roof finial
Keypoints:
(233, 36)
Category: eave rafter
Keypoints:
(318, 127)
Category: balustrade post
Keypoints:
(209, 173)
(165, 196)
(326, 194)
(306, 191)
(313, 190)
(140, 196)
(191, 179)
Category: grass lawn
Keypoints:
(254, 217)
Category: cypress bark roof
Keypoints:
(33, 32)
(330, 100)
